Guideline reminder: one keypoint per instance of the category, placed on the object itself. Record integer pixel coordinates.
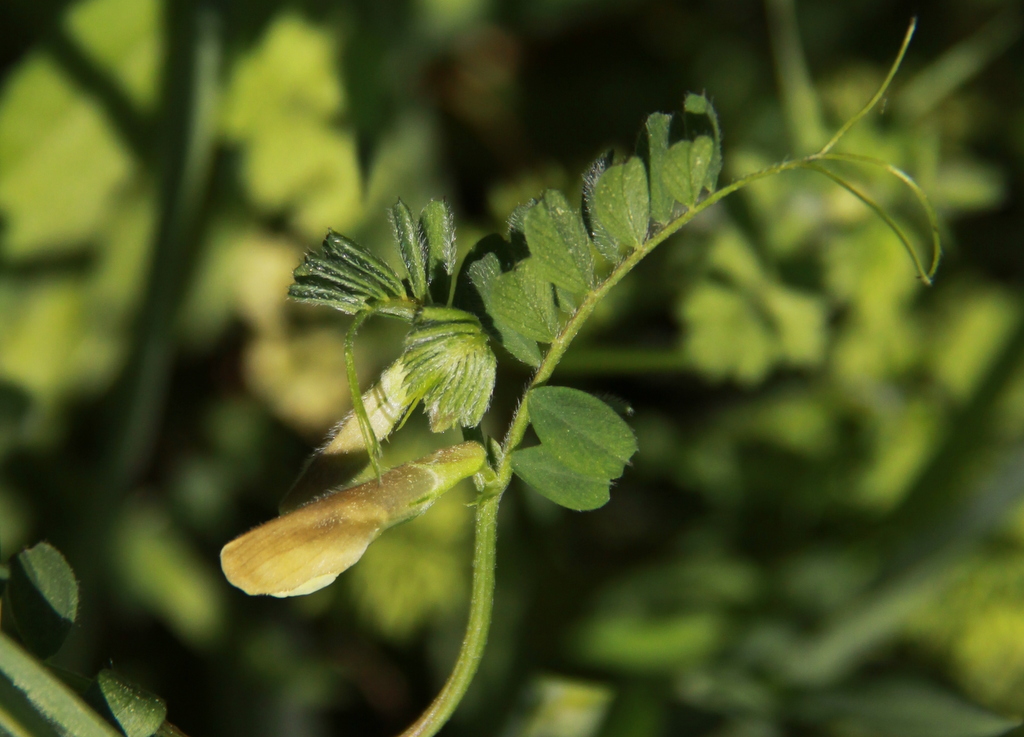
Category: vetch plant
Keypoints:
(529, 292)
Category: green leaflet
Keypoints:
(437, 229)
(656, 145)
(584, 432)
(622, 203)
(348, 278)
(450, 366)
(524, 300)
(43, 596)
(543, 471)
(127, 705)
(584, 445)
(567, 301)
(559, 243)
(482, 275)
(700, 105)
(686, 170)
(603, 242)
(412, 248)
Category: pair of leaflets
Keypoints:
(584, 446)
(41, 593)
(681, 168)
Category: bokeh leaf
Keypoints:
(57, 155)
(646, 644)
(43, 596)
(556, 706)
(281, 107)
(906, 709)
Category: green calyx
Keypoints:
(450, 366)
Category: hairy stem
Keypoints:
(475, 639)
(482, 601)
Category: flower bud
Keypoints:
(305, 550)
(345, 455)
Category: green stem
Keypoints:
(189, 107)
(369, 436)
(475, 639)
(877, 96)
(482, 601)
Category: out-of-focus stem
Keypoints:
(188, 107)
(799, 98)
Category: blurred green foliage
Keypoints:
(821, 532)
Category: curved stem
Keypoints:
(877, 96)
(475, 639)
(915, 189)
(885, 217)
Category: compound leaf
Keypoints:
(43, 596)
(347, 277)
(545, 472)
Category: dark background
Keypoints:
(820, 533)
